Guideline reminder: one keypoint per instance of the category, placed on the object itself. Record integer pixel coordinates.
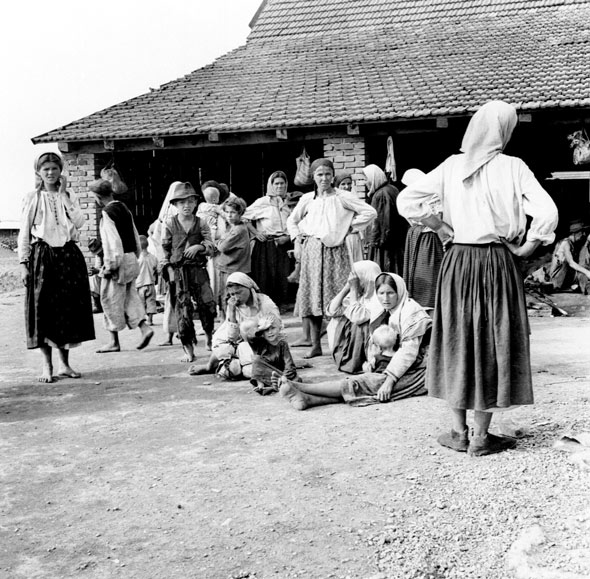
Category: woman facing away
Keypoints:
(479, 356)
(319, 224)
(231, 356)
(58, 308)
(401, 376)
(266, 220)
(350, 312)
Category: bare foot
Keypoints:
(145, 340)
(46, 378)
(301, 343)
(167, 343)
(313, 353)
(188, 358)
(290, 391)
(195, 370)
(67, 372)
(275, 380)
(109, 348)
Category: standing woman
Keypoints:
(479, 357)
(322, 219)
(58, 308)
(387, 235)
(266, 220)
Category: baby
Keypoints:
(272, 357)
(382, 347)
(210, 211)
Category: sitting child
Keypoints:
(381, 349)
(272, 357)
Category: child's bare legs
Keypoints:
(167, 342)
(305, 339)
(146, 335)
(112, 346)
(302, 396)
(208, 368)
(65, 370)
(150, 319)
(189, 353)
(47, 372)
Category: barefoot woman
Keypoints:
(58, 308)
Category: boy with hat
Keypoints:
(186, 243)
(120, 245)
(565, 269)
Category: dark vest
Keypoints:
(123, 221)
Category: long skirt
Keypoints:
(271, 265)
(362, 390)
(479, 356)
(324, 271)
(58, 309)
(349, 345)
(422, 259)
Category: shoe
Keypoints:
(490, 444)
(454, 440)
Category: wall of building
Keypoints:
(348, 155)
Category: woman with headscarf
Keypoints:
(266, 219)
(58, 308)
(423, 253)
(350, 313)
(319, 225)
(386, 237)
(404, 372)
(480, 358)
(231, 356)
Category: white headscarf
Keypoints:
(167, 210)
(367, 271)
(375, 178)
(412, 176)
(270, 188)
(488, 132)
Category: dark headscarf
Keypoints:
(321, 163)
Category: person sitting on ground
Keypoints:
(404, 375)
(147, 279)
(231, 356)
(272, 357)
(348, 329)
(565, 270)
(186, 242)
(120, 301)
(381, 350)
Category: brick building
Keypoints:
(338, 77)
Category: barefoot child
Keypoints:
(272, 357)
(186, 242)
(118, 294)
(147, 279)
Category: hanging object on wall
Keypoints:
(109, 173)
(580, 143)
(390, 167)
(303, 176)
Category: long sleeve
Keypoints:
(166, 243)
(364, 214)
(26, 224)
(403, 358)
(233, 241)
(290, 370)
(298, 214)
(414, 202)
(207, 241)
(74, 212)
(111, 243)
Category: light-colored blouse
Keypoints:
(492, 204)
(330, 218)
(269, 218)
(51, 217)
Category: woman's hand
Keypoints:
(281, 240)
(384, 393)
(260, 236)
(232, 304)
(63, 184)
(446, 235)
(193, 250)
(524, 250)
(25, 276)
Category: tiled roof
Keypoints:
(534, 58)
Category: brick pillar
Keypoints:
(348, 155)
(81, 170)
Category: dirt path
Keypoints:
(138, 470)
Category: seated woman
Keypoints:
(231, 356)
(404, 375)
(272, 357)
(348, 330)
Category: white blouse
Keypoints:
(494, 203)
(269, 218)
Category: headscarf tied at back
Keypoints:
(367, 271)
(166, 211)
(408, 318)
(321, 163)
(487, 134)
(239, 278)
(270, 188)
(376, 178)
(47, 157)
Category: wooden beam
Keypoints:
(442, 123)
(282, 134)
(108, 145)
(158, 142)
(353, 129)
(213, 137)
(525, 117)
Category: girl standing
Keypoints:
(58, 308)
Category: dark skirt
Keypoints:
(58, 309)
(271, 265)
(422, 259)
(324, 271)
(479, 353)
(349, 346)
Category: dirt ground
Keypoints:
(138, 470)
